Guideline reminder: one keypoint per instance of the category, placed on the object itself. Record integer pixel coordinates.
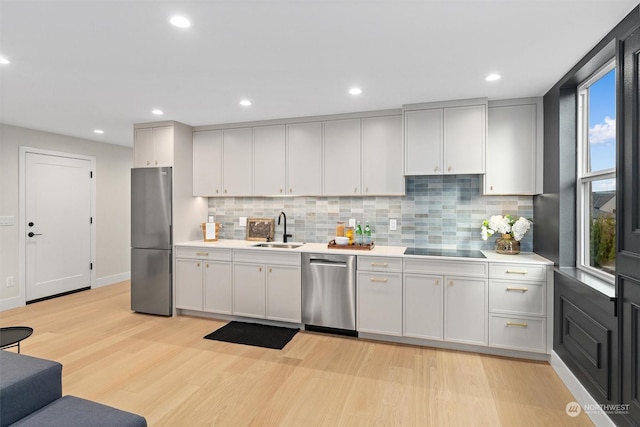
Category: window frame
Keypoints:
(584, 179)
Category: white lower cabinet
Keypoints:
(379, 308)
(517, 307)
(423, 306)
(465, 310)
(284, 293)
(267, 285)
(249, 290)
(203, 279)
(218, 288)
(444, 307)
(189, 284)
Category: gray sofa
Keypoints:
(31, 395)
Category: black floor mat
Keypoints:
(253, 334)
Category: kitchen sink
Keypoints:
(278, 245)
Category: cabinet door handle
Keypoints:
(491, 188)
(515, 272)
(450, 282)
(270, 270)
(202, 253)
(281, 191)
(355, 189)
(436, 169)
(379, 279)
(207, 265)
(198, 264)
(291, 190)
(148, 162)
(449, 168)
(523, 290)
(379, 264)
(520, 324)
(259, 268)
(217, 191)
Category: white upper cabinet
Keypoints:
(153, 147)
(446, 138)
(237, 170)
(304, 159)
(382, 156)
(207, 163)
(465, 131)
(423, 142)
(342, 157)
(269, 168)
(514, 147)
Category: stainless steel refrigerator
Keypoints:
(151, 241)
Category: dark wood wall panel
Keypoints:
(585, 336)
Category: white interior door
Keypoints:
(57, 225)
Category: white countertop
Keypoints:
(393, 251)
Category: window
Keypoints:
(596, 180)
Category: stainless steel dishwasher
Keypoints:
(329, 293)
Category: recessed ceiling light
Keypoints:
(355, 91)
(4, 61)
(180, 22)
(157, 112)
(245, 103)
(98, 131)
(493, 77)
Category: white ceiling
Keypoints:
(81, 65)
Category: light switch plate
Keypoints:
(393, 225)
(6, 220)
(352, 222)
(243, 221)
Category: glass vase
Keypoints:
(507, 245)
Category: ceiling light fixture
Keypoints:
(493, 77)
(157, 112)
(355, 91)
(180, 22)
(4, 61)
(98, 131)
(245, 103)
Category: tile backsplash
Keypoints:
(443, 212)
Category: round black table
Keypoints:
(12, 335)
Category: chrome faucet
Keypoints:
(284, 235)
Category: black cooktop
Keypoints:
(463, 253)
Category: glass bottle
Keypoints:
(358, 234)
(367, 234)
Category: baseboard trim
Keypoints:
(580, 393)
(13, 302)
(110, 280)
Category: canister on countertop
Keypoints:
(348, 232)
(340, 229)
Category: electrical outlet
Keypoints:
(243, 221)
(393, 225)
(9, 281)
(352, 222)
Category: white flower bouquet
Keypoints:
(505, 225)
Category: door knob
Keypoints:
(31, 234)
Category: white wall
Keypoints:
(113, 182)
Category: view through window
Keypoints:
(596, 182)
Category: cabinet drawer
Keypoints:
(509, 296)
(444, 267)
(517, 333)
(268, 256)
(499, 270)
(376, 263)
(218, 254)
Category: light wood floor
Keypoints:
(163, 369)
